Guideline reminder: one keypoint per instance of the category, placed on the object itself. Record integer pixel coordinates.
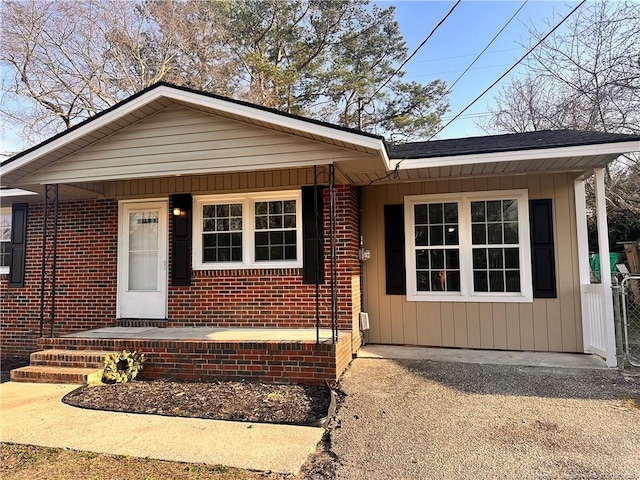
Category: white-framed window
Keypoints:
(470, 246)
(253, 230)
(5, 239)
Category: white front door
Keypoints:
(142, 260)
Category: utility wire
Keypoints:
(510, 69)
(414, 52)
(488, 45)
(449, 90)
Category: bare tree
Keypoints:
(586, 77)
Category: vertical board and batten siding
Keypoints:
(186, 141)
(552, 324)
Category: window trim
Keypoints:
(248, 201)
(7, 211)
(465, 247)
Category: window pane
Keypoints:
(435, 213)
(451, 212)
(436, 235)
(494, 233)
(452, 258)
(479, 258)
(209, 211)
(236, 210)
(224, 254)
(290, 238)
(209, 255)
(478, 234)
(261, 223)
(437, 259)
(422, 259)
(438, 280)
(276, 238)
(422, 237)
(289, 221)
(422, 281)
(222, 225)
(453, 281)
(224, 239)
(262, 253)
(511, 232)
(236, 254)
(496, 281)
(275, 222)
(510, 210)
(494, 211)
(261, 208)
(275, 208)
(276, 253)
(495, 258)
(290, 252)
(511, 258)
(262, 238)
(480, 282)
(451, 235)
(209, 225)
(4, 253)
(513, 281)
(420, 212)
(222, 210)
(235, 224)
(290, 206)
(478, 212)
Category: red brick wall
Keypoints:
(86, 275)
(274, 297)
(87, 281)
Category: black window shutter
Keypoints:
(312, 225)
(18, 245)
(394, 255)
(181, 250)
(542, 249)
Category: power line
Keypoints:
(510, 69)
(488, 45)
(415, 51)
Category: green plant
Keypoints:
(122, 367)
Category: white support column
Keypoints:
(605, 275)
(584, 270)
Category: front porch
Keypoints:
(276, 355)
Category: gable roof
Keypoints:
(161, 95)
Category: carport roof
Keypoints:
(543, 139)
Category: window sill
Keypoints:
(471, 299)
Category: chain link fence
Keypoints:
(630, 307)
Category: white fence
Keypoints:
(598, 334)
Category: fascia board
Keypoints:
(617, 148)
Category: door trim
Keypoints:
(163, 202)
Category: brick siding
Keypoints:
(87, 281)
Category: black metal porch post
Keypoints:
(49, 257)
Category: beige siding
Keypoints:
(183, 141)
(213, 183)
(543, 325)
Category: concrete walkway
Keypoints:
(33, 414)
(487, 357)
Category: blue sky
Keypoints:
(452, 48)
(460, 38)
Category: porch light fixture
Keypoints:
(177, 212)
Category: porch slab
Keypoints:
(209, 333)
(33, 414)
(490, 357)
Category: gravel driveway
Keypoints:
(420, 419)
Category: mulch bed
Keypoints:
(239, 401)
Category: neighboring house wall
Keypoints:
(545, 325)
(87, 277)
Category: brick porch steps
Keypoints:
(46, 374)
(62, 366)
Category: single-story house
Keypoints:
(228, 239)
